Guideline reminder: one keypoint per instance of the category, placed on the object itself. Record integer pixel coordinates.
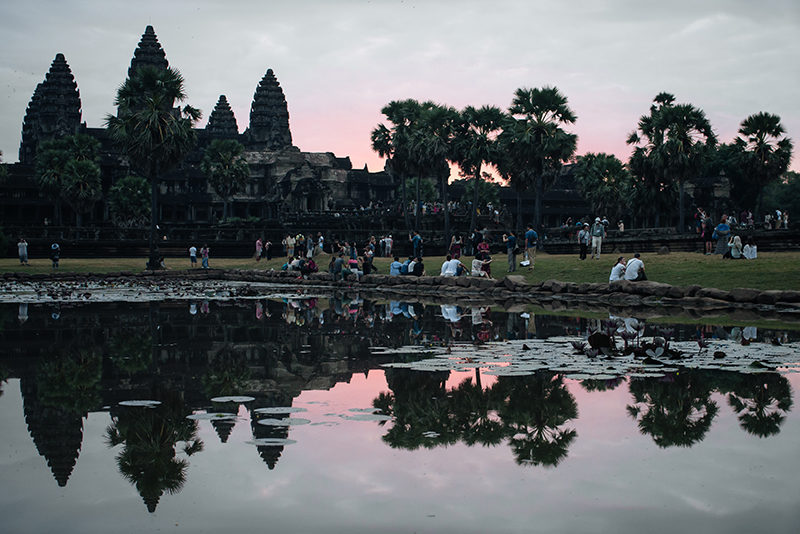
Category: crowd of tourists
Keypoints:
(722, 239)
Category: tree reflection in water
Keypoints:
(149, 437)
(530, 412)
(761, 402)
(676, 409)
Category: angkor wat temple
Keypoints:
(282, 177)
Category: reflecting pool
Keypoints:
(346, 415)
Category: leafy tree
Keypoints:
(129, 201)
(426, 186)
(154, 134)
(488, 191)
(534, 143)
(475, 144)
(226, 169)
(82, 186)
(67, 170)
(783, 195)
(672, 144)
(602, 178)
(766, 151)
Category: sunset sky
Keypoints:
(340, 61)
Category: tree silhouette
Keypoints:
(761, 402)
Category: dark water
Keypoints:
(465, 447)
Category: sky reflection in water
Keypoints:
(702, 450)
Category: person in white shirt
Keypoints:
(450, 266)
(618, 270)
(634, 270)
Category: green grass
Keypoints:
(772, 270)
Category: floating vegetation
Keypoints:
(233, 398)
(140, 403)
(271, 442)
(366, 417)
(288, 421)
(573, 358)
(364, 410)
(211, 416)
(280, 409)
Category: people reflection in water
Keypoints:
(149, 437)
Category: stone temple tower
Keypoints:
(54, 110)
(149, 52)
(222, 122)
(269, 116)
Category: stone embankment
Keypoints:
(641, 299)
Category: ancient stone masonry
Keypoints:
(54, 110)
(148, 53)
(269, 116)
(222, 122)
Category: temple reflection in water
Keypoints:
(72, 360)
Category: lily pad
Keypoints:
(271, 442)
(288, 421)
(211, 416)
(280, 409)
(233, 398)
(367, 417)
(140, 403)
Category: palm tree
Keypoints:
(767, 154)
(226, 169)
(155, 135)
(475, 144)
(535, 143)
(761, 402)
(433, 146)
(678, 142)
(82, 186)
(395, 143)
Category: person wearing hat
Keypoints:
(584, 237)
(598, 233)
(55, 254)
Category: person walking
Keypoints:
(584, 237)
(598, 233)
(204, 252)
(22, 248)
(511, 247)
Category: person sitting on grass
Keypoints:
(618, 270)
(750, 251)
(337, 267)
(634, 270)
(734, 248)
(395, 268)
(418, 269)
(450, 267)
(478, 265)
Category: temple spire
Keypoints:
(269, 116)
(54, 110)
(222, 122)
(149, 52)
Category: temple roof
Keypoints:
(269, 115)
(54, 110)
(149, 52)
(222, 122)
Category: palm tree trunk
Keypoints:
(417, 206)
(405, 204)
(518, 230)
(474, 219)
(537, 216)
(153, 262)
(446, 211)
(681, 209)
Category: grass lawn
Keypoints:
(772, 270)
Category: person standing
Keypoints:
(259, 248)
(584, 237)
(320, 243)
(416, 244)
(389, 242)
(193, 256)
(290, 242)
(55, 254)
(511, 247)
(531, 241)
(22, 248)
(204, 252)
(598, 233)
